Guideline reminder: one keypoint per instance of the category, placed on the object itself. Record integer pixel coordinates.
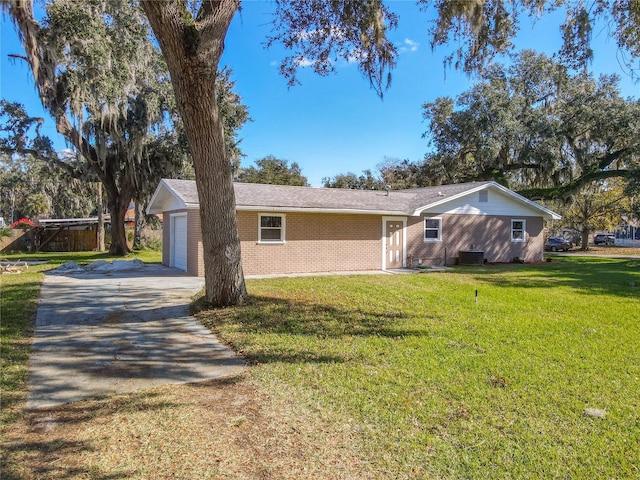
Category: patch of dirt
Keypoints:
(229, 429)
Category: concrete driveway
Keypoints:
(103, 333)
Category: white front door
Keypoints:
(178, 251)
(394, 244)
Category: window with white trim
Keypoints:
(432, 229)
(518, 230)
(271, 228)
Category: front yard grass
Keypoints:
(436, 385)
(367, 377)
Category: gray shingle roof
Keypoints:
(185, 189)
(254, 196)
(280, 196)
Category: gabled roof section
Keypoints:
(428, 197)
(174, 194)
(182, 194)
(450, 193)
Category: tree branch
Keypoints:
(611, 157)
(213, 21)
(18, 56)
(563, 191)
(171, 17)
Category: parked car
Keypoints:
(604, 239)
(557, 244)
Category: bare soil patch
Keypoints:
(226, 429)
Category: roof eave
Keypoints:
(289, 209)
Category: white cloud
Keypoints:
(305, 62)
(409, 46)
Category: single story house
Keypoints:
(286, 229)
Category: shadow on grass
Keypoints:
(41, 458)
(619, 277)
(44, 444)
(44, 450)
(265, 315)
(77, 413)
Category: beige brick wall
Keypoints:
(488, 233)
(195, 263)
(318, 242)
(315, 242)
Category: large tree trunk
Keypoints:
(118, 210)
(585, 239)
(192, 53)
(118, 200)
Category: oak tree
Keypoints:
(536, 128)
(365, 181)
(103, 79)
(274, 171)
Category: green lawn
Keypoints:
(436, 385)
(429, 382)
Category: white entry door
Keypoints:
(178, 242)
(394, 243)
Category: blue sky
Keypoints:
(335, 124)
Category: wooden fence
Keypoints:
(13, 243)
(71, 241)
(62, 240)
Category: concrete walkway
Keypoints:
(98, 334)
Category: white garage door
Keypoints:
(179, 242)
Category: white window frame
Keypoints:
(439, 229)
(523, 230)
(282, 228)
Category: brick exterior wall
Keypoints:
(319, 242)
(195, 263)
(492, 234)
(314, 242)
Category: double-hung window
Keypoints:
(271, 228)
(518, 230)
(432, 229)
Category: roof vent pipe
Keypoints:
(387, 189)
